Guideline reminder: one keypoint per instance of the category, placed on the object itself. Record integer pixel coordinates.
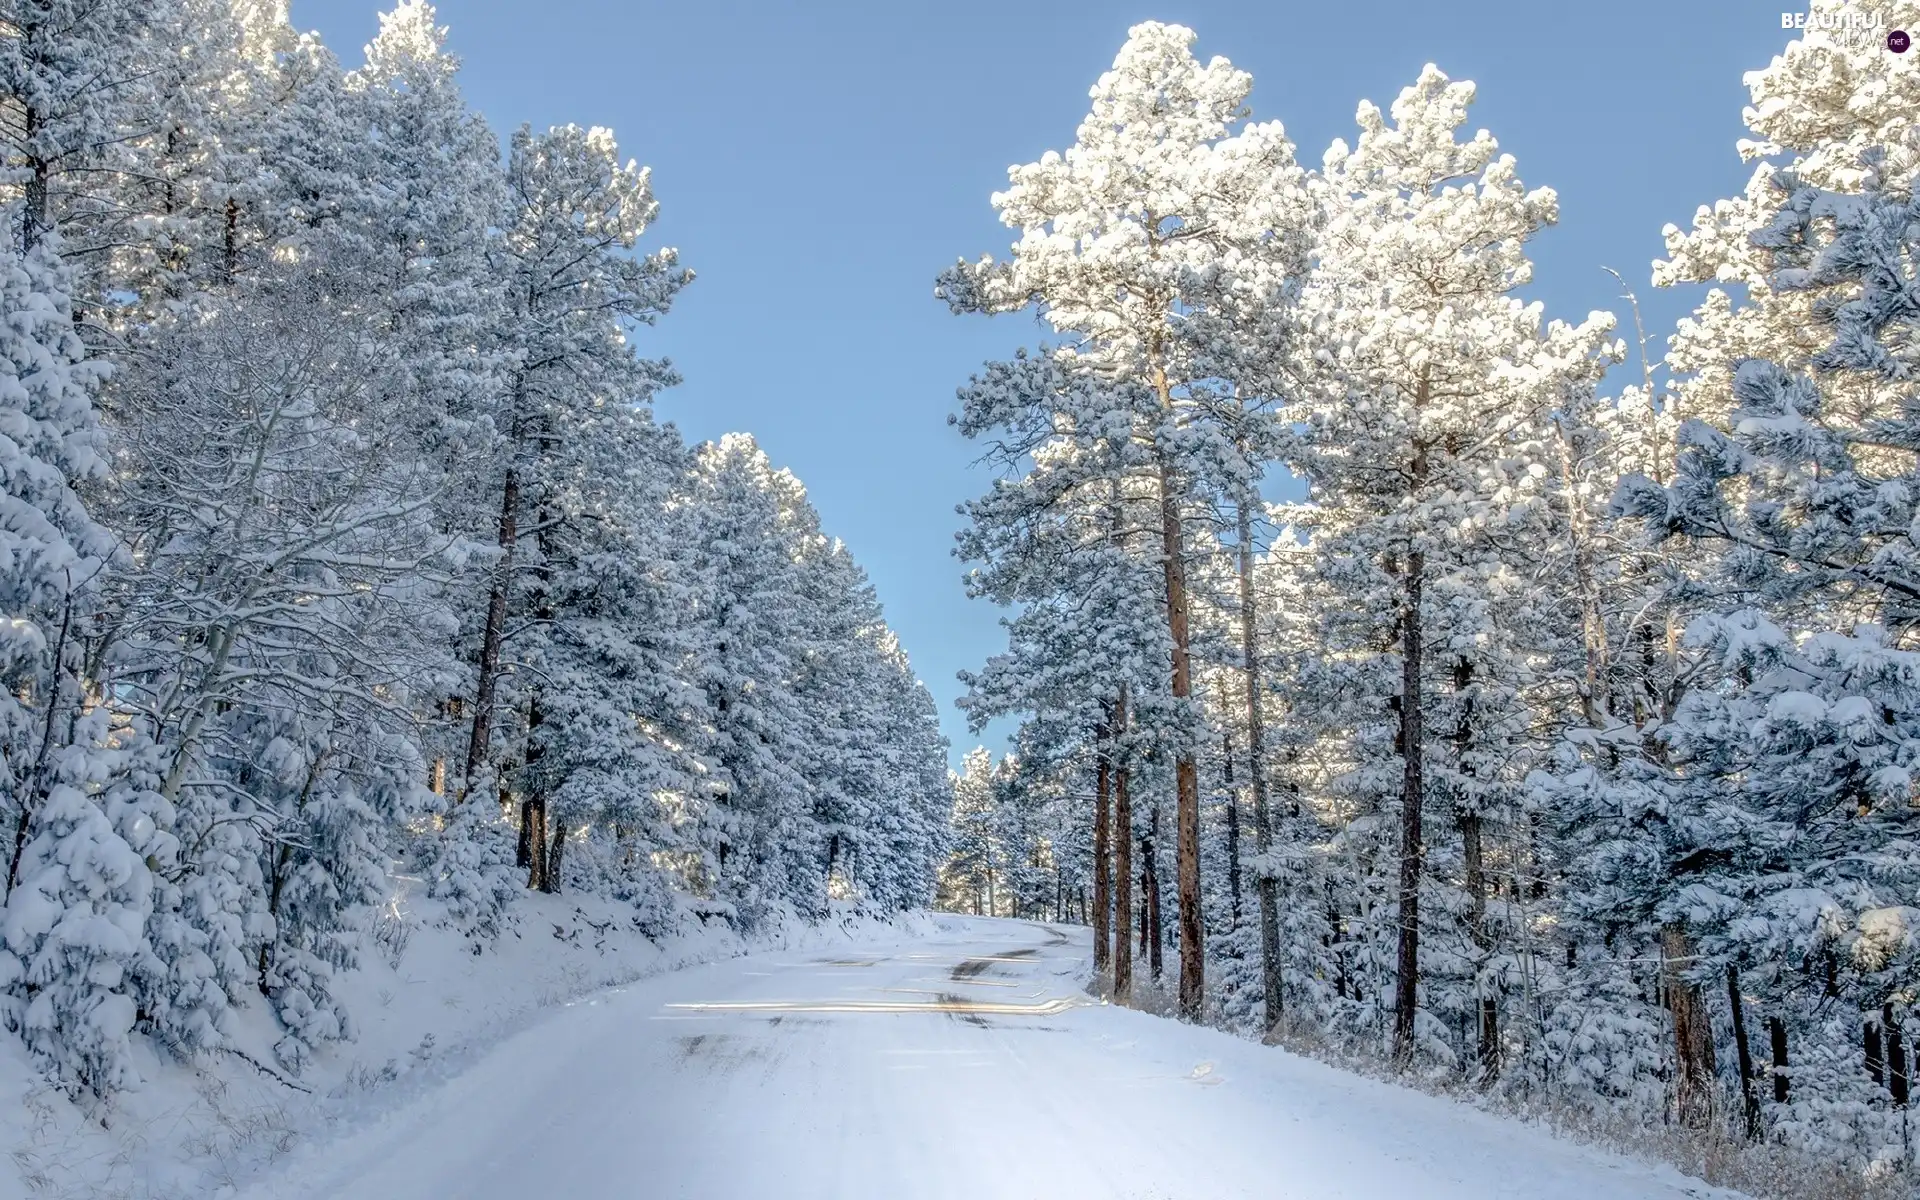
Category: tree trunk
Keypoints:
(533, 817)
(1151, 928)
(550, 874)
(484, 686)
(1413, 779)
(1594, 703)
(231, 262)
(1122, 865)
(1473, 853)
(1186, 776)
(1876, 1056)
(1749, 1099)
(1896, 1057)
(1412, 790)
(1692, 1034)
(35, 221)
(1233, 836)
(1102, 823)
(1777, 1034)
(523, 850)
(1266, 887)
(281, 857)
(1473, 858)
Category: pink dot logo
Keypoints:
(1898, 41)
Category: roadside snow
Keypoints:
(426, 1010)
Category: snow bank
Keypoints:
(423, 1006)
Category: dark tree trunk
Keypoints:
(35, 221)
(534, 829)
(1692, 1033)
(1233, 836)
(1777, 1034)
(1102, 849)
(1122, 865)
(484, 686)
(1876, 1057)
(1896, 1057)
(1412, 792)
(1193, 970)
(281, 857)
(1266, 887)
(550, 875)
(1413, 780)
(1153, 930)
(1749, 1098)
(1473, 858)
(231, 262)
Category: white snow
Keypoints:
(962, 1061)
(425, 1016)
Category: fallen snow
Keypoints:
(428, 1011)
(963, 1060)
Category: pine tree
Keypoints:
(1143, 245)
(1430, 379)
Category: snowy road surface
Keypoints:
(966, 1065)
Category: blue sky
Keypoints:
(817, 163)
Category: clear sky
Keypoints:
(818, 162)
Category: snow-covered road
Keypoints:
(965, 1065)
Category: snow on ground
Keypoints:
(963, 1061)
(427, 1011)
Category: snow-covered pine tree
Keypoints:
(1146, 245)
(1428, 385)
(77, 77)
(751, 634)
(1065, 535)
(1784, 837)
(970, 878)
(575, 293)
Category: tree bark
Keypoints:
(1122, 864)
(1692, 1033)
(1412, 791)
(35, 222)
(1777, 1034)
(550, 875)
(1151, 927)
(1896, 1057)
(1233, 836)
(1473, 858)
(1412, 754)
(1473, 854)
(533, 816)
(1749, 1098)
(489, 671)
(1185, 774)
(1266, 887)
(523, 850)
(1102, 848)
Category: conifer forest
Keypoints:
(1407, 700)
